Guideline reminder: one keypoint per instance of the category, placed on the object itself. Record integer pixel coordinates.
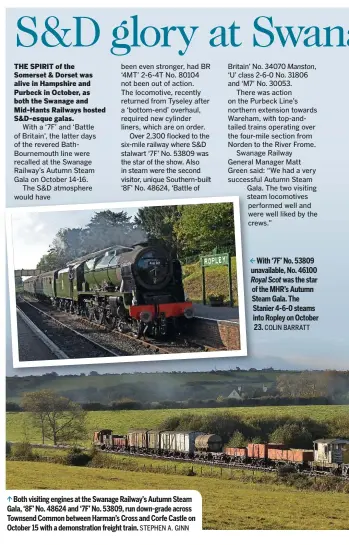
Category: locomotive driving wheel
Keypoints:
(109, 320)
(98, 315)
(88, 311)
(140, 330)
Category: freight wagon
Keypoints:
(232, 454)
(328, 455)
(178, 443)
(297, 457)
(137, 440)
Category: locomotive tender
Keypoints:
(138, 288)
(328, 455)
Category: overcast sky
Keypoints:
(33, 232)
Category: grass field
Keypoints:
(227, 505)
(19, 426)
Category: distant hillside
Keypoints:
(145, 387)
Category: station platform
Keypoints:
(30, 347)
(216, 313)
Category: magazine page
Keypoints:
(176, 272)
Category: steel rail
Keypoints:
(85, 337)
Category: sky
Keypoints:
(33, 232)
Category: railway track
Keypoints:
(116, 342)
(64, 341)
(193, 461)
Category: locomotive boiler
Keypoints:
(138, 288)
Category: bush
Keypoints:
(285, 470)
(346, 489)
(238, 440)
(103, 460)
(76, 457)
(126, 405)
(298, 480)
(95, 406)
(328, 484)
(292, 435)
(8, 449)
(24, 450)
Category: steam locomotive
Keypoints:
(138, 289)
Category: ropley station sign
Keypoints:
(217, 259)
(214, 260)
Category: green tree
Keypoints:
(66, 245)
(203, 227)
(238, 440)
(312, 384)
(51, 261)
(159, 224)
(108, 228)
(57, 417)
(292, 435)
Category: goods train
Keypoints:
(328, 455)
(138, 288)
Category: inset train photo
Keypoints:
(126, 283)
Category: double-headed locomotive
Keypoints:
(328, 455)
(138, 288)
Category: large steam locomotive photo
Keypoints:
(138, 288)
(138, 282)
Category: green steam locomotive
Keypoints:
(138, 288)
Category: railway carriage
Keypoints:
(42, 286)
(29, 285)
(47, 285)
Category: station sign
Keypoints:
(214, 259)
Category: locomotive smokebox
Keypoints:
(152, 267)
